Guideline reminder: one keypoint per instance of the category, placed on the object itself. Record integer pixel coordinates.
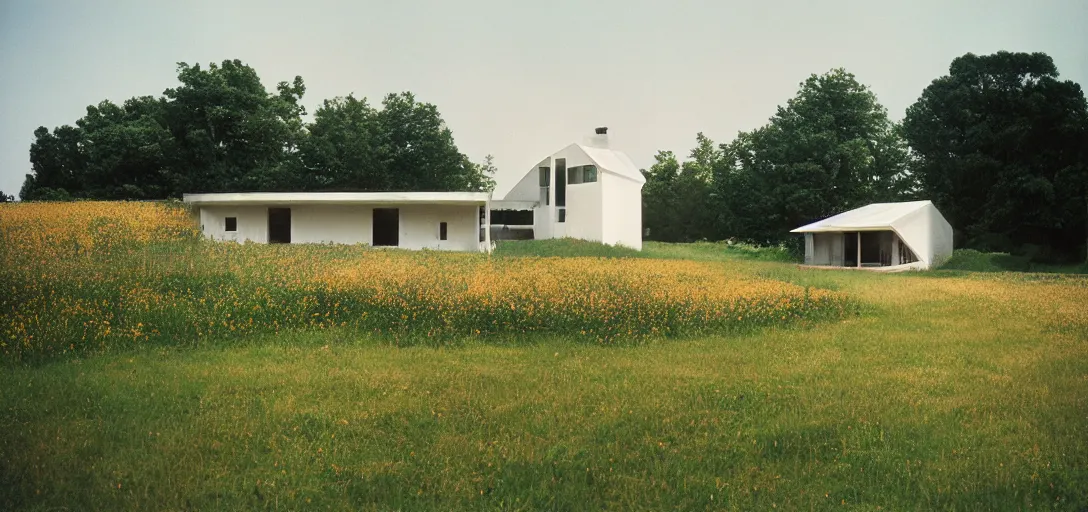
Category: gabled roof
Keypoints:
(615, 161)
(607, 160)
(873, 216)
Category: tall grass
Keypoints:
(955, 394)
(960, 393)
(95, 277)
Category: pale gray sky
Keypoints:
(512, 78)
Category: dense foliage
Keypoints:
(97, 276)
(1000, 145)
(831, 148)
(1002, 150)
(221, 130)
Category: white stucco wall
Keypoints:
(351, 224)
(608, 210)
(585, 211)
(928, 234)
(419, 227)
(914, 230)
(252, 223)
(341, 224)
(942, 236)
(622, 211)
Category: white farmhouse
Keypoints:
(455, 221)
(588, 191)
(880, 236)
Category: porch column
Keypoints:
(859, 249)
(487, 225)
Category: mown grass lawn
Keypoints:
(949, 391)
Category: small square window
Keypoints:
(590, 174)
(232, 223)
(441, 230)
(562, 215)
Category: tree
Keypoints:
(220, 130)
(341, 150)
(404, 146)
(4, 198)
(1000, 149)
(57, 163)
(676, 200)
(658, 197)
(230, 133)
(486, 172)
(415, 149)
(124, 151)
(830, 149)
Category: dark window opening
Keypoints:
(589, 174)
(511, 217)
(279, 225)
(545, 185)
(871, 248)
(386, 227)
(850, 249)
(483, 229)
(441, 230)
(581, 174)
(562, 215)
(560, 182)
(574, 175)
(232, 223)
(905, 254)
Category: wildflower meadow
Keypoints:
(96, 276)
(145, 368)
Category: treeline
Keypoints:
(1000, 145)
(220, 130)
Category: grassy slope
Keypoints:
(975, 261)
(937, 398)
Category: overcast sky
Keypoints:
(512, 78)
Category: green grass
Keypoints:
(567, 247)
(975, 261)
(947, 394)
(699, 251)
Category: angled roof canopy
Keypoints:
(876, 216)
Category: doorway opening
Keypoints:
(850, 249)
(279, 225)
(386, 227)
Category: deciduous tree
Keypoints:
(1000, 148)
(829, 149)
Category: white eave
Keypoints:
(873, 217)
(282, 198)
(514, 205)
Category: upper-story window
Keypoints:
(560, 181)
(582, 174)
(589, 174)
(545, 185)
